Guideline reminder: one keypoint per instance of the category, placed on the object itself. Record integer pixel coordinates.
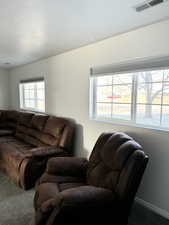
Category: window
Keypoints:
(32, 95)
(131, 97)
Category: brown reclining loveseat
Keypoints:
(28, 140)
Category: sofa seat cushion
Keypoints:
(15, 144)
(12, 151)
(6, 132)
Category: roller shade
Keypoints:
(32, 80)
(131, 66)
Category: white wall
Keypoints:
(4, 89)
(67, 94)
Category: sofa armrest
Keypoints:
(67, 166)
(34, 163)
(42, 152)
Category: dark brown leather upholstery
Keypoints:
(28, 140)
(77, 191)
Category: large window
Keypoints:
(140, 97)
(32, 95)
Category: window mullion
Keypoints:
(94, 84)
(134, 97)
(23, 95)
(162, 93)
(112, 99)
(36, 100)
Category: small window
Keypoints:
(32, 95)
(136, 98)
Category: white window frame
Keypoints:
(141, 65)
(21, 95)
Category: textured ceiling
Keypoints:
(35, 29)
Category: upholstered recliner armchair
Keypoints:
(77, 191)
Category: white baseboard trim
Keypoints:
(153, 208)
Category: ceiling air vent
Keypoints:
(142, 7)
(155, 2)
(148, 4)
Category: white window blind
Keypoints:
(131, 66)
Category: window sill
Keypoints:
(129, 124)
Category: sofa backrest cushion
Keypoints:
(117, 163)
(2, 123)
(9, 119)
(2, 116)
(53, 131)
(35, 131)
(25, 119)
(41, 130)
(57, 132)
(24, 122)
(54, 126)
(38, 121)
(12, 115)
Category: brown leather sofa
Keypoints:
(28, 140)
(78, 192)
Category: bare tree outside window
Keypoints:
(151, 95)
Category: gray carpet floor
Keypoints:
(16, 205)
